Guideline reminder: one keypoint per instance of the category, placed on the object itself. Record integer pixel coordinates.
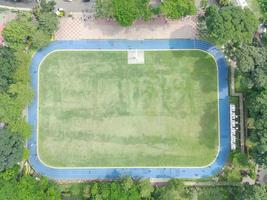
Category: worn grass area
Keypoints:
(96, 110)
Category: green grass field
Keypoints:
(96, 110)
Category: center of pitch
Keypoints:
(136, 57)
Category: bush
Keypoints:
(174, 9)
(126, 12)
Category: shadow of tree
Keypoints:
(209, 126)
(206, 73)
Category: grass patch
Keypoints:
(255, 8)
(96, 110)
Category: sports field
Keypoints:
(96, 110)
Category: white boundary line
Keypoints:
(147, 167)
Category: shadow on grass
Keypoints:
(205, 73)
(209, 126)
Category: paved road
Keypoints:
(19, 4)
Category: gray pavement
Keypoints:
(77, 5)
(18, 4)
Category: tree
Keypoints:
(11, 147)
(47, 6)
(243, 192)
(231, 24)
(225, 2)
(28, 188)
(40, 39)
(174, 9)
(48, 22)
(145, 188)
(11, 114)
(263, 6)
(249, 192)
(18, 33)
(126, 12)
(8, 67)
(104, 8)
(257, 106)
(10, 173)
(252, 65)
(175, 190)
(204, 4)
(212, 192)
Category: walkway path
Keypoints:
(84, 26)
(241, 106)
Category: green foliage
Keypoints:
(26, 154)
(257, 105)
(145, 188)
(212, 192)
(175, 190)
(264, 39)
(230, 24)
(48, 23)
(28, 188)
(225, 2)
(8, 67)
(17, 97)
(125, 188)
(175, 9)
(263, 6)
(204, 4)
(11, 146)
(104, 8)
(247, 192)
(47, 6)
(40, 39)
(252, 65)
(32, 31)
(243, 192)
(126, 12)
(156, 10)
(239, 159)
(18, 33)
(10, 173)
(239, 163)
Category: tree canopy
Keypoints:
(126, 12)
(28, 188)
(18, 33)
(32, 31)
(244, 192)
(8, 67)
(230, 24)
(174, 9)
(11, 147)
(252, 67)
(48, 22)
(252, 64)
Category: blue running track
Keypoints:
(110, 173)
